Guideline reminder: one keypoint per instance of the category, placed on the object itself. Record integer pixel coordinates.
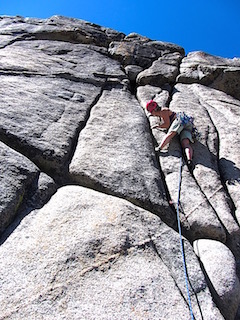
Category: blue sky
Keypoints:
(212, 26)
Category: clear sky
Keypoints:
(212, 26)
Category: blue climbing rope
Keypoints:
(181, 241)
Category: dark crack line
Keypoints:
(209, 203)
(231, 205)
(95, 80)
(81, 127)
(173, 278)
(171, 93)
(22, 37)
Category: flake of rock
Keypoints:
(114, 153)
(58, 28)
(224, 112)
(219, 73)
(98, 243)
(45, 124)
(197, 216)
(132, 71)
(135, 49)
(16, 177)
(220, 266)
(210, 209)
(190, 98)
(57, 84)
(76, 62)
(42, 191)
(162, 71)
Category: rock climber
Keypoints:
(176, 123)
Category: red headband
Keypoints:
(151, 105)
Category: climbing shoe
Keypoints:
(190, 165)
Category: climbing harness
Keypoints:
(181, 240)
(184, 119)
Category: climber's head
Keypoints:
(152, 106)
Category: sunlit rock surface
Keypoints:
(88, 207)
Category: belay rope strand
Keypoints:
(181, 240)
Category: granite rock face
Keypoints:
(221, 275)
(216, 72)
(87, 206)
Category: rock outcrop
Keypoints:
(88, 206)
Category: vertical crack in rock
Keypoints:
(49, 158)
(56, 104)
(196, 286)
(162, 94)
(224, 185)
(111, 159)
(72, 97)
(151, 242)
(212, 203)
(23, 188)
(97, 243)
(80, 128)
